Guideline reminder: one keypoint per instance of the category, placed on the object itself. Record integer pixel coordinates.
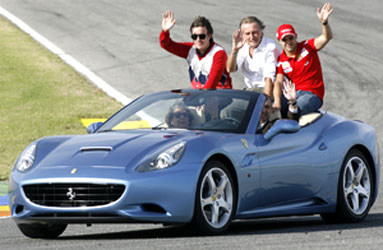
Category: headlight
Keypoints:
(26, 159)
(165, 159)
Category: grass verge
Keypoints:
(40, 95)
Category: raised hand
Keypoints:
(289, 91)
(168, 20)
(324, 13)
(238, 41)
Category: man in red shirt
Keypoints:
(299, 62)
(206, 59)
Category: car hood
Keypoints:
(113, 149)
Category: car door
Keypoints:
(293, 167)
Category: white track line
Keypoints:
(92, 77)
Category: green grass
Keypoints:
(3, 188)
(40, 96)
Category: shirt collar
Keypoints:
(261, 45)
(207, 50)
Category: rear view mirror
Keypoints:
(93, 127)
(282, 126)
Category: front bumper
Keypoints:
(165, 196)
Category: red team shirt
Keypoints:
(304, 69)
(206, 71)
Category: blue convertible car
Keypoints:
(196, 157)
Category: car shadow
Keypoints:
(304, 224)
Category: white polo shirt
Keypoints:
(263, 63)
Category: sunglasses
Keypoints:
(201, 36)
(179, 114)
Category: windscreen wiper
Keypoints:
(160, 126)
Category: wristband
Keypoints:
(325, 23)
(293, 103)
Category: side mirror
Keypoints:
(93, 127)
(282, 126)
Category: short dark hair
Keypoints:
(252, 19)
(202, 21)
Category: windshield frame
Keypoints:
(189, 96)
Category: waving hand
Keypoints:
(168, 20)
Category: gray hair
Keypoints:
(252, 19)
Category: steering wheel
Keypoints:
(232, 120)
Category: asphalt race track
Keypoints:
(118, 40)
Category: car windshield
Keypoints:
(214, 110)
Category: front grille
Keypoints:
(73, 194)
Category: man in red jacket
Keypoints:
(299, 62)
(206, 59)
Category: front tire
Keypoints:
(355, 190)
(215, 199)
(43, 231)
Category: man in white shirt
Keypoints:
(254, 54)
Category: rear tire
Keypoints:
(216, 199)
(355, 190)
(43, 231)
